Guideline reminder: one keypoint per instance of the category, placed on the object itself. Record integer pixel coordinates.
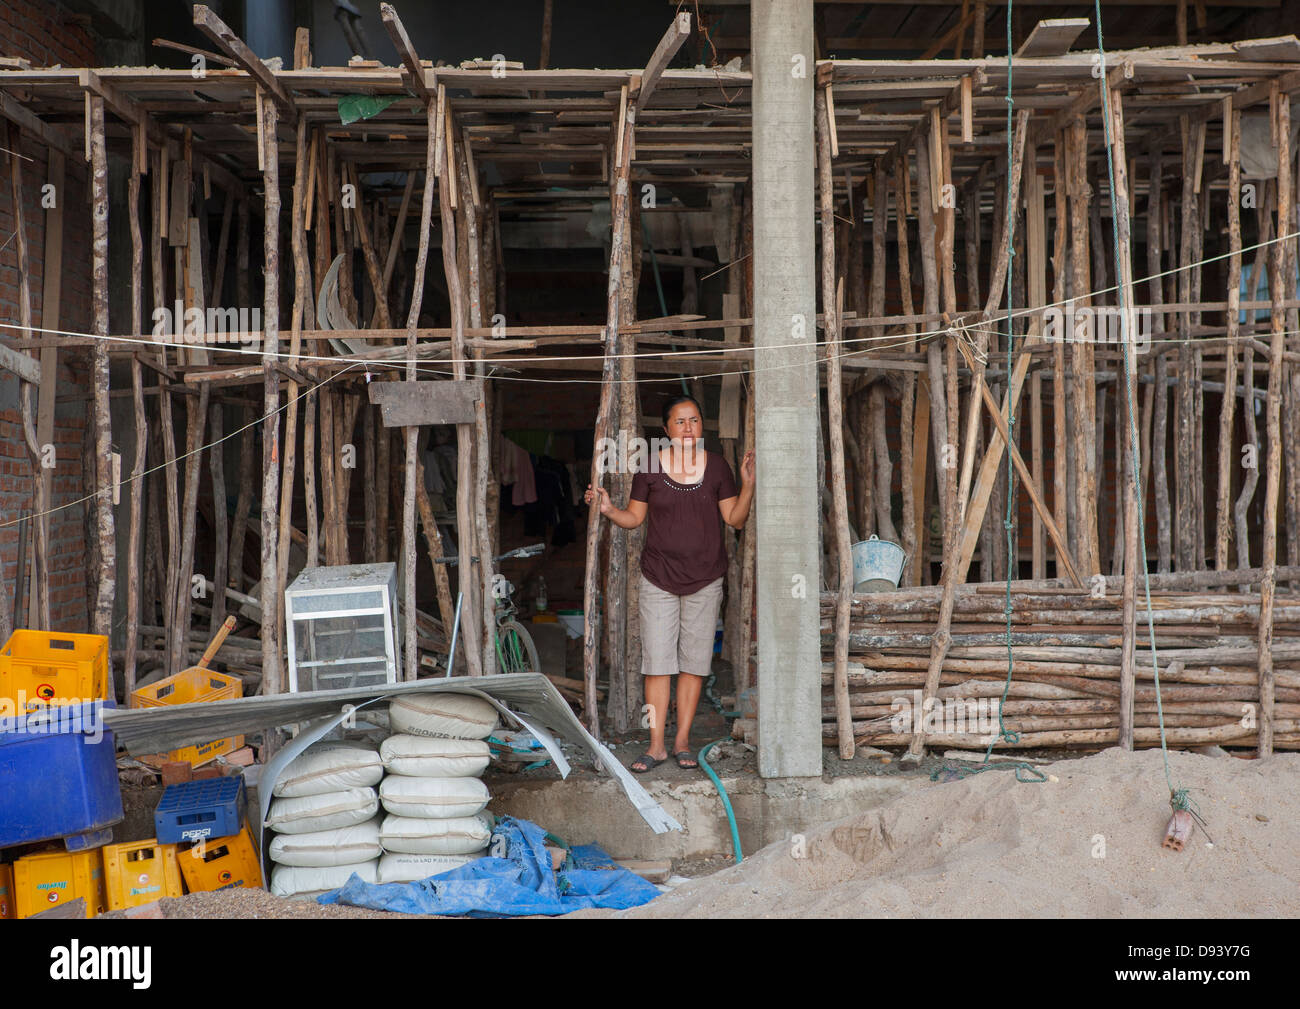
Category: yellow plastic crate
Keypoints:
(6, 891)
(48, 668)
(221, 863)
(187, 687)
(140, 872)
(46, 880)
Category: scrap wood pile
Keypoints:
(1066, 662)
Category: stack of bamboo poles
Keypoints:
(1066, 659)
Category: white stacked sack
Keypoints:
(432, 795)
(325, 815)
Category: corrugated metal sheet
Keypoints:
(529, 695)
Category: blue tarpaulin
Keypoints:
(520, 882)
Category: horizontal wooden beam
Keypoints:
(26, 368)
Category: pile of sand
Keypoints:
(1084, 845)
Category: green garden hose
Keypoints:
(722, 792)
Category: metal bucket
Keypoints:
(877, 565)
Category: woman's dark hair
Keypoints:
(678, 400)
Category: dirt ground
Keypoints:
(1084, 844)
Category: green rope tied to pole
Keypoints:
(1178, 797)
(1025, 772)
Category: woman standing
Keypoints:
(683, 563)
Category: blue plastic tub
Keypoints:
(199, 809)
(58, 777)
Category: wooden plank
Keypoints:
(179, 212)
(219, 32)
(1282, 49)
(967, 110)
(677, 33)
(33, 124)
(1052, 37)
(402, 43)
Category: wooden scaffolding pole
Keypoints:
(101, 621)
(1185, 396)
(1127, 389)
(133, 549)
(469, 253)
(1277, 288)
(471, 614)
(28, 392)
(272, 576)
(414, 477)
(1227, 410)
(835, 423)
(1084, 429)
(301, 294)
(619, 218)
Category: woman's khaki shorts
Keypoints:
(677, 632)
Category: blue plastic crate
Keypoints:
(199, 809)
(58, 777)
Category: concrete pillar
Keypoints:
(785, 334)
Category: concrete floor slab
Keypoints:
(587, 810)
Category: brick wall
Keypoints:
(46, 34)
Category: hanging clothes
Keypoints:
(525, 483)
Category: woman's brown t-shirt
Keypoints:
(683, 549)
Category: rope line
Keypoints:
(892, 338)
(1025, 772)
(1178, 797)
